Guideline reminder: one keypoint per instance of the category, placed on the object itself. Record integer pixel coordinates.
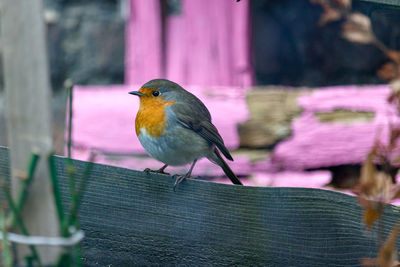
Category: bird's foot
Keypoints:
(161, 171)
(179, 178)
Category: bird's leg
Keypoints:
(180, 178)
(161, 170)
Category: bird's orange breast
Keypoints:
(151, 116)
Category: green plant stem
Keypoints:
(76, 202)
(23, 194)
(71, 180)
(57, 194)
(65, 258)
(6, 255)
(78, 255)
(70, 114)
(20, 223)
(74, 199)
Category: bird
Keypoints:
(175, 127)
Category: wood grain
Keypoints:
(206, 43)
(133, 218)
(272, 110)
(387, 2)
(317, 143)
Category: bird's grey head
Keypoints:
(162, 85)
(167, 89)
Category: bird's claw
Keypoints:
(148, 170)
(179, 179)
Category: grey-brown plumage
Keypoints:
(190, 119)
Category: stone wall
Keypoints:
(86, 41)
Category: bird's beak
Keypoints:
(136, 93)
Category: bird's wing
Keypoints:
(197, 118)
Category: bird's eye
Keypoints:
(156, 93)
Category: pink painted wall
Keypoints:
(108, 126)
(315, 144)
(143, 42)
(207, 44)
(104, 117)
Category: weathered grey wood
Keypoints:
(28, 110)
(133, 218)
(387, 2)
(272, 110)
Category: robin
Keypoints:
(175, 127)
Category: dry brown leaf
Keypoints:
(357, 29)
(374, 184)
(394, 55)
(374, 262)
(369, 262)
(396, 160)
(330, 14)
(387, 256)
(394, 136)
(396, 193)
(374, 190)
(395, 87)
(372, 211)
(367, 180)
(389, 71)
(343, 3)
(384, 186)
(394, 97)
(333, 10)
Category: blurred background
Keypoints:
(264, 68)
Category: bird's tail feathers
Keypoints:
(217, 159)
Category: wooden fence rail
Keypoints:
(387, 2)
(131, 217)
